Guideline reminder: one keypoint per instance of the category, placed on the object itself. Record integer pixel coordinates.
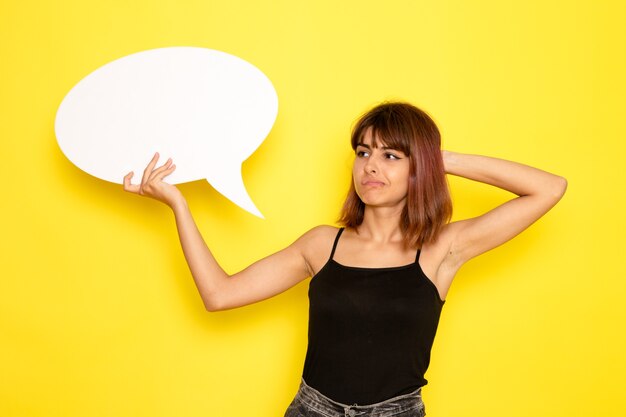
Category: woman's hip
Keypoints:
(309, 402)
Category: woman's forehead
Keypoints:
(372, 139)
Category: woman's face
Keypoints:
(380, 174)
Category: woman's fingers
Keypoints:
(160, 169)
(151, 177)
(162, 174)
(148, 170)
(152, 184)
(128, 186)
(155, 177)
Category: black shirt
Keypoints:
(370, 330)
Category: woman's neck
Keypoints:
(381, 224)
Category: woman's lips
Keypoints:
(372, 183)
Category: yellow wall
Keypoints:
(99, 315)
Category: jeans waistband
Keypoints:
(315, 399)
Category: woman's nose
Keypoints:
(370, 166)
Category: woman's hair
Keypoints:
(404, 127)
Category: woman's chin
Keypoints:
(380, 203)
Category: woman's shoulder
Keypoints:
(319, 235)
(316, 244)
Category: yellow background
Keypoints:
(99, 315)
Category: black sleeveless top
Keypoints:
(370, 330)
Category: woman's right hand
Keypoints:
(152, 184)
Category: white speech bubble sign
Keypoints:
(206, 109)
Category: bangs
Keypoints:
(386, 129)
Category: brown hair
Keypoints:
(406, 128)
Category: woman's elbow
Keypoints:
(211, 304)
(211, 308)
(554, 190)
(560, 187)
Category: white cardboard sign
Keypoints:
(206, 109)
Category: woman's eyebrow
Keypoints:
(386, 148)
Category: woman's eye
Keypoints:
(361, 153)
(392, 156)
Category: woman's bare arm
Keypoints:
(538, 191)
(218, 290)
(261, 280)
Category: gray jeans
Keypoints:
(309, 402)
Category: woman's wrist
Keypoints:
(448, 159)
(179, 205)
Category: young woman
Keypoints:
(379, 282)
